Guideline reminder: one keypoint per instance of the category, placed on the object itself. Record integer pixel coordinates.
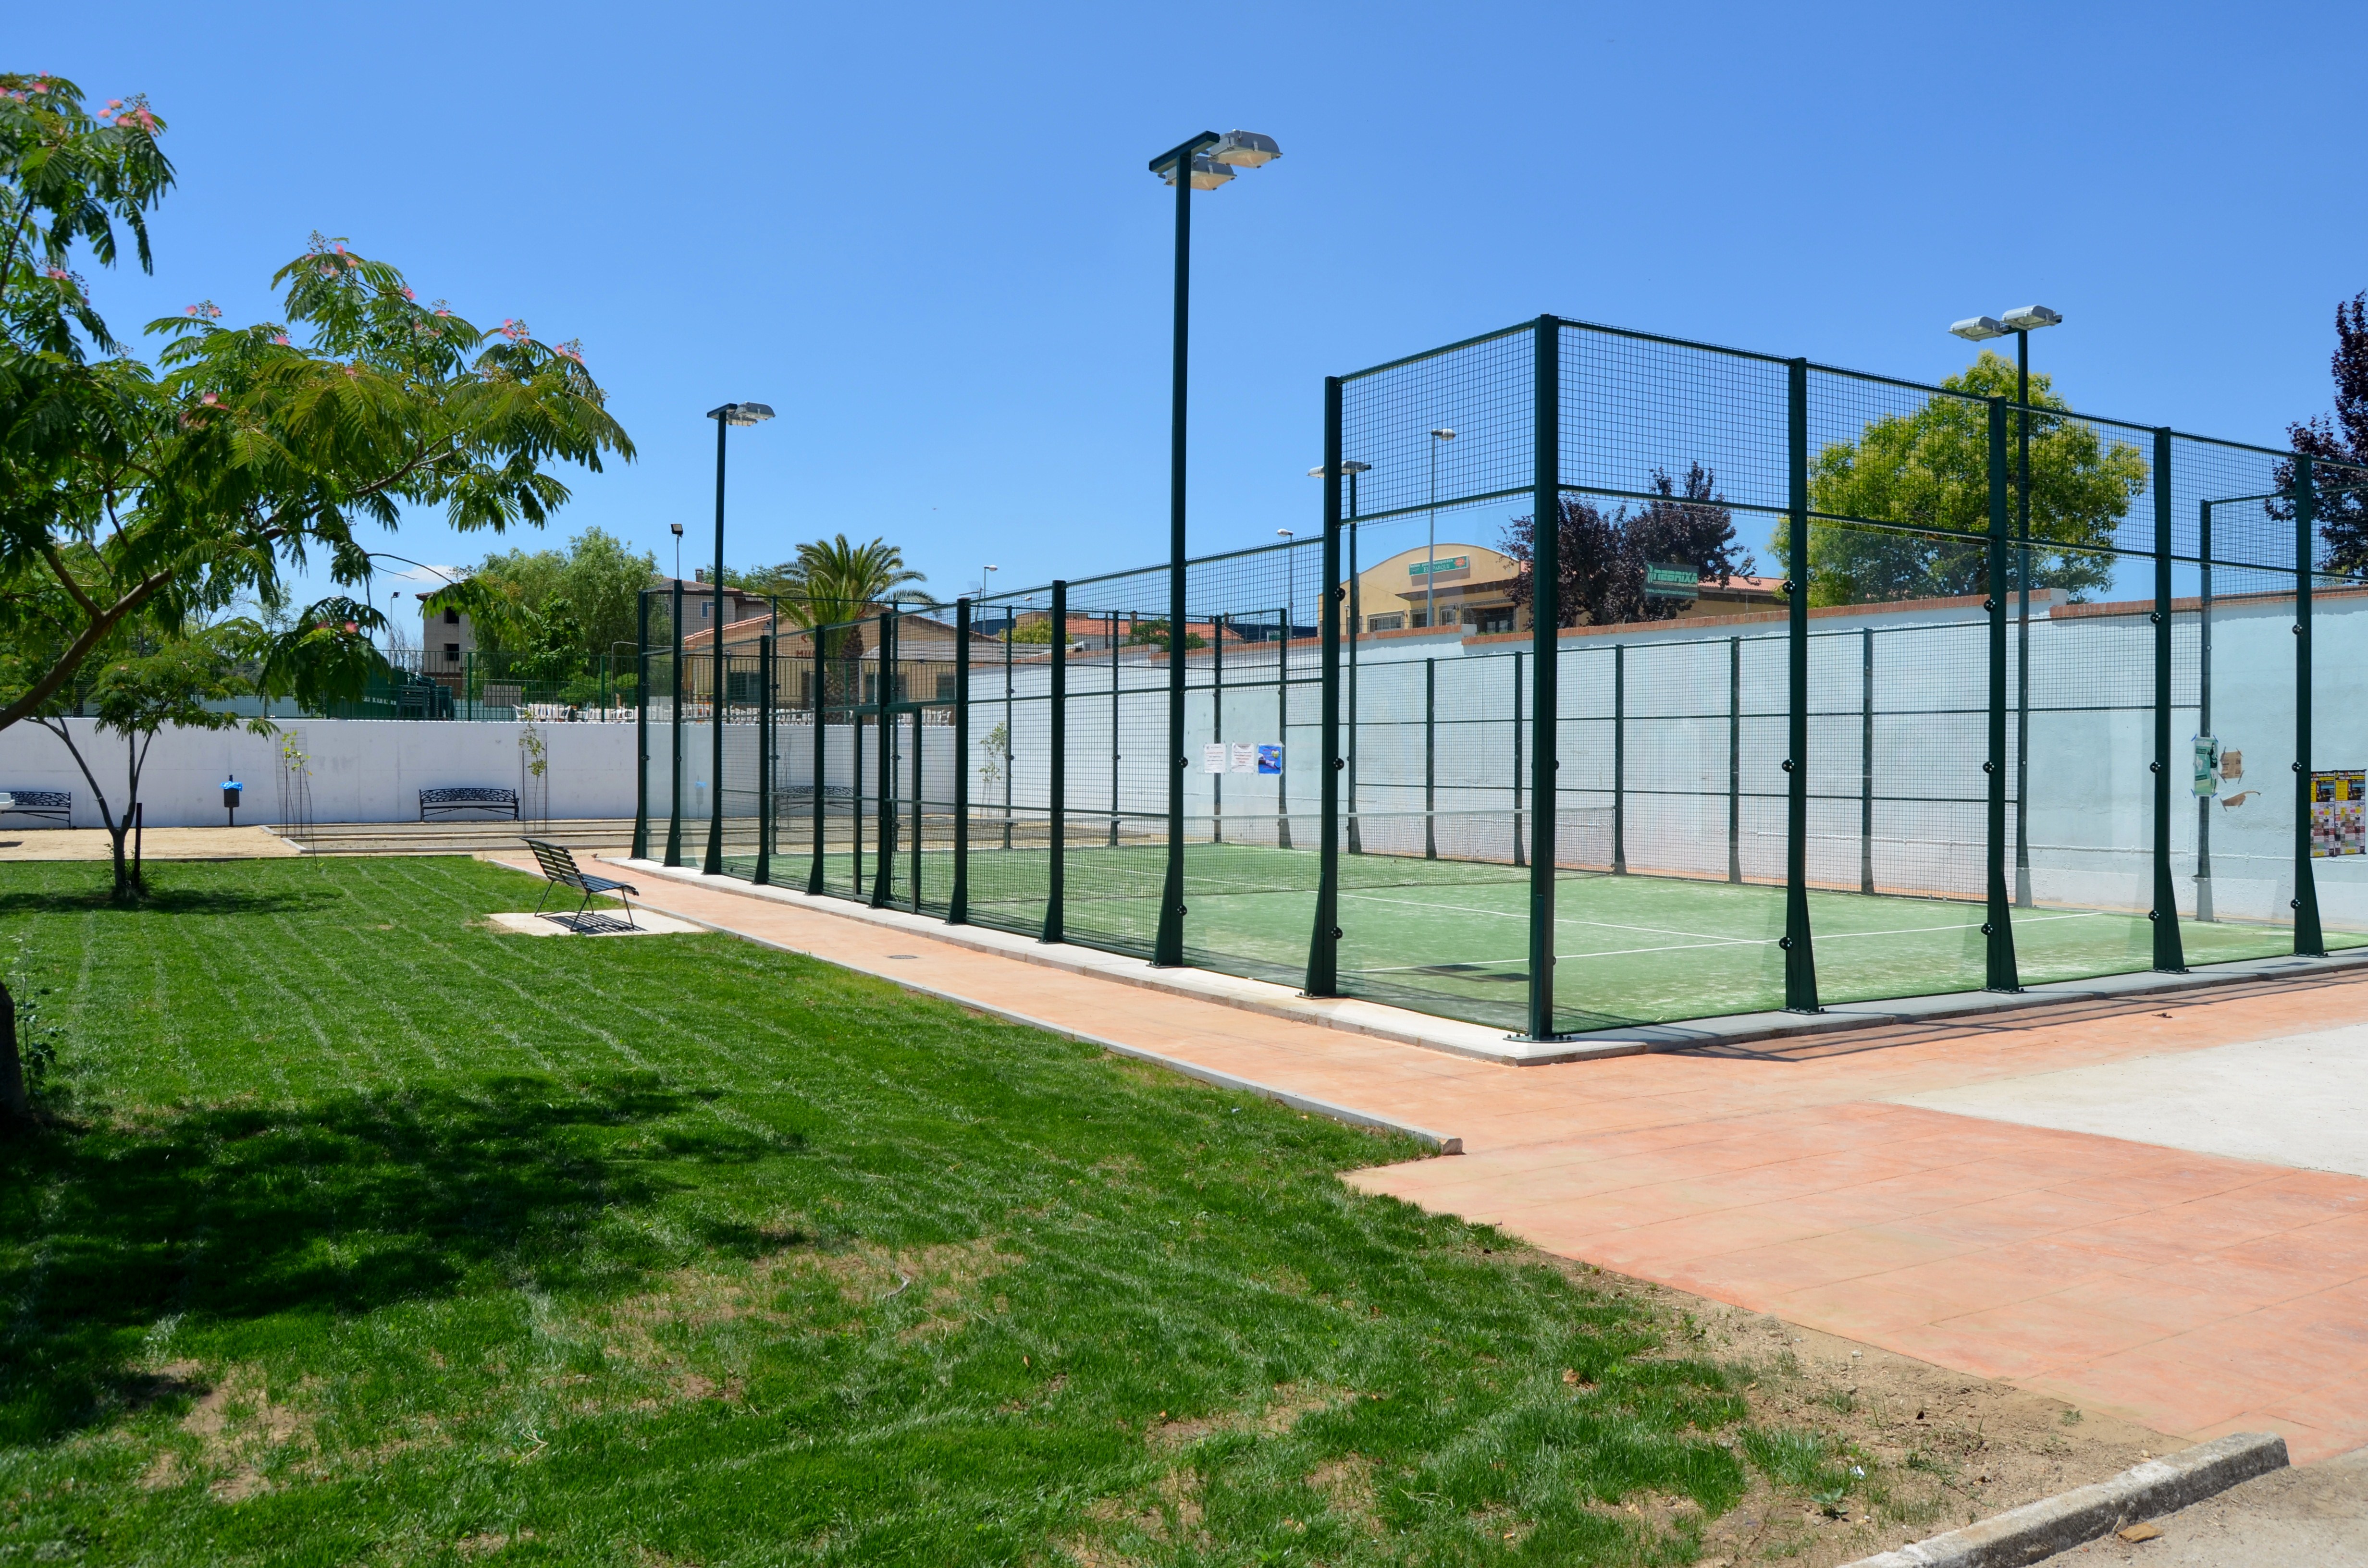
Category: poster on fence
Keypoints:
(1243, 758)
(1213, 757)
(2336, 822)
(1270, 759)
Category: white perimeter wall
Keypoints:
(362, 770)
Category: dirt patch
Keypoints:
(1345, 1485)
(1933, 1448)
(1278, 1415)
(238, 1428)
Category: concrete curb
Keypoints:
(1439, 1143)
(2041, 1530)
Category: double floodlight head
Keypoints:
(1347, 465)
(1212, 158)
(1246, 149)
(2024, 318)
(742, 412)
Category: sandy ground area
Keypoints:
(158, 844)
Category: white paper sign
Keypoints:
(1244, 758)
(1213, 758)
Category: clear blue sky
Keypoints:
(926, 235)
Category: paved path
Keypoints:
(2316, 1517)
(2192, 1291)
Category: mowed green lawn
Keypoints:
(371, 1235)
(1452, 936)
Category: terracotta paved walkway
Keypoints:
(2194, 1293)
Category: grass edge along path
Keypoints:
(367, 1233)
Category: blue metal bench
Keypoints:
(558, 863)
(57, 805)
(468, 798)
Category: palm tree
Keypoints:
(833, 584)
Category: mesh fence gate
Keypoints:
(1952, 760)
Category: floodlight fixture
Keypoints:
(2031, 318)
(1347, 465)
(1444, 435)
(742, 412)
(1246, 148)
(1980, 329)
(1207, 174)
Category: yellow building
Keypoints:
(1472, 588)
(1471, 584)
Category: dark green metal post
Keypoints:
(883, 874)
(1799, 945)
(1545, 611)
(1114, 722)
(765, 665)
(642, 726)
(1429, 759)
(958, 899)
(2203, 711)
(1521, 845)
(1282, 721)
(1324, 945)
(814, 642)
(1057, 796)
(2168, 953)
(1619, 759)
(1866, 760)
(715, 865)
(1735, 759)
(920, 802)
(1999, 926)
(674, 789)
(2308, 940)
(1356, 631)
(1217, 722)
(1168, 942)
(2023, 621)
(855, 707)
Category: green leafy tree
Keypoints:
(146, 498)
(1153, 634)
(553, 651)
(178, 682)
(1930, 469)
(598, 576)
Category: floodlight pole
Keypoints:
(1167, 943)
(715, 865)
(2023, 621)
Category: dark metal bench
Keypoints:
(558, 863)
(468, 798)
(55, 804)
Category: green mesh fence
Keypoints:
(1921, 723)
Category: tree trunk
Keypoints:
(126, 886)
(12, 1101)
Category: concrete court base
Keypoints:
(1408, 1027)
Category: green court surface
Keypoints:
(1452, 938)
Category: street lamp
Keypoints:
(2021, 322)
(1431, 572)
(1204, 163)
(731, 414)
(677, 551)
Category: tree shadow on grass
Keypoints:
(101, 897)
(225, 1213)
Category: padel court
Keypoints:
(1450, 937)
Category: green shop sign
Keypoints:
(1671, 583)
